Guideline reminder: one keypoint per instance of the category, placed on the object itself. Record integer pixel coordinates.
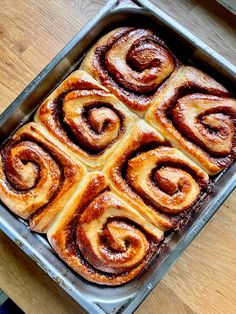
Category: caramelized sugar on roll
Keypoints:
(85, 118)
(158, 180)
(36, 178)
(101, 237)
(194, 113)
(132, 63)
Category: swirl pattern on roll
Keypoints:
(36, 178)
(132, 63)
(159, 181)
(101, 237)
(196, 115)
(85, 118)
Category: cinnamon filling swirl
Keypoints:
(131, 63)
(195, 113)
(36, 179)
(85, 118)
(102, 237)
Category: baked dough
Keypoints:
(101, 237)
(194, 113)
(156, 179)
(132, 63)
(85, 119)
(36, 177)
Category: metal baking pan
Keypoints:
(229, 5)
(125, 298)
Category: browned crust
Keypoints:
(69, 236)
(78, 129)
(144, 138)
(146, 52)
(165, 115)
(44, 156)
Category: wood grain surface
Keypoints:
(203, 280)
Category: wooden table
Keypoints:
(204, 278)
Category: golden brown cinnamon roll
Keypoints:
(194, 113)
(158, 180)
(85, 118)
(36, 177)
(132, 63)
(101, 237)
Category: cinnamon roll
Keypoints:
(36, 177)
(101, 237)
(85, 118)
(157, 179)
(196, 115)
(132, 63)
